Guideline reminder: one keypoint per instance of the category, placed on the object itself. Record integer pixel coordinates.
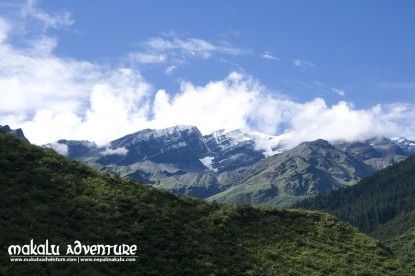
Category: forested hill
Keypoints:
(44, 196)
(374, 200)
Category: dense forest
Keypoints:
(382, 205)
(46, 196)
(374, 200)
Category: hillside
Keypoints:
(404, 246)
(46, 196)
(374, 200)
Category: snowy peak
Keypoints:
(175, 131)
(166, 134)
(223, 140)
(182, 145)
(267, 144)
(407, 146)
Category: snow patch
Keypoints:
(270, 145)
(207, 162)
(172, 130)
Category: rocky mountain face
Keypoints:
(406, 145)
(378, 153)
(179, 158)
(306, 170)
(234, 166)
(16, 132)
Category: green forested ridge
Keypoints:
(382, 205)
(374, 200)
(45, 196)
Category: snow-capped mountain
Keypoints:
(182, 145)
(237, 166)
(406, 145)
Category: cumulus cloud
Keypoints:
(118, 151)
(62, 149)
(238, 101)
(53, 98)
(316, 120)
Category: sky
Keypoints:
(100, 69)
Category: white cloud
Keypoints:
(173, 49)
(238, 101)
(48, 20)
(316, 120)
(303, 64)
(268, 55)
(53, 98)
(339, 92)
(4, 29)
(32, 79)
(170, 69)
(118, 151)
(190, 46)
(147, 57)
(62, 149)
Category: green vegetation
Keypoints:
(45, 196)
(374, 200)
(382, 205)
(404, 246)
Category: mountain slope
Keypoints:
(374, 200)
(404, 246)
(16, 132)
(178, 159)
(45, 196)
(233, 166)
(378, 152)
(306, 170)
(382, 205)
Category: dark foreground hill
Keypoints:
(46, 196)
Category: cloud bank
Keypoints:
(53, 98)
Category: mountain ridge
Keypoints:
(182, 160)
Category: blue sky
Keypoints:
(307, 69)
